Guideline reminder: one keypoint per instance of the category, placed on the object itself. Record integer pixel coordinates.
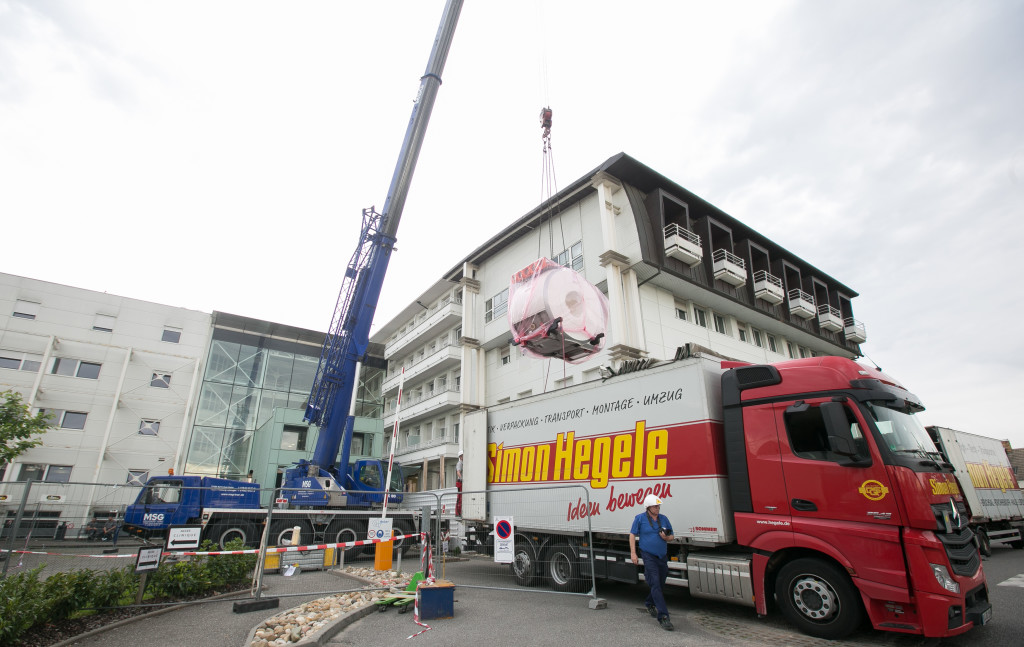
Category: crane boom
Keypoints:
(348, 337)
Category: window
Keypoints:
(137, 477)
(171, 335)
(149, 428)
(458, 334)
(757, 337)
(743, 333)
(25, 309)
(506, 357)
(503, 400)
(496, 306)
(720, 324)
(571, 257)
(161, 381)
(808, 436)
(789, 347)
(293, 437)
(10, 362)
(803, 352)
(32, 471)
(681, 313)
(73, 420)
(772, 346)
(163, 492)
(358, 440)
(104, 323)
(75, 368)
(455, 430)
(700, 317)
(58, 474)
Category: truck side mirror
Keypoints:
(840, 438)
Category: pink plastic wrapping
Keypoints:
(554, 312)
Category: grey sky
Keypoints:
(217, 155)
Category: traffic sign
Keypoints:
(379, 528)
(183, 537)
(504, 540)
(148, 559)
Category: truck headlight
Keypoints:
(943, 578)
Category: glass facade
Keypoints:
(247, 376)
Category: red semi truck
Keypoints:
(807, 484)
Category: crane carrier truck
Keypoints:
(808, 485)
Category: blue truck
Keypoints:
(228, 509)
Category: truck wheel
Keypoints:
(984, 543)
(346, 530)
(281, 533)
(524, 562)
(564, 569)
(225, 532)
(404, 545)
(818, 598)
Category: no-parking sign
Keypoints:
(504, 540)
(379, 529)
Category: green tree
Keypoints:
(18, 426)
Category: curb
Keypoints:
(322, 637)
(331, 629)
(142, 616)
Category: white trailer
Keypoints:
(994, 497)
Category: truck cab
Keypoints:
(848, 481)
(168, 501)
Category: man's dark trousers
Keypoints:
(655, 572)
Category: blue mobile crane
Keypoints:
(340, 494)
(325, 479)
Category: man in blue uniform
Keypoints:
(654, 531)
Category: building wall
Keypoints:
(130, 366)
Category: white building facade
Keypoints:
(119, 376)
(676, 271)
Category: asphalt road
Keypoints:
(501, 617)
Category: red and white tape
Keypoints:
(250, 551)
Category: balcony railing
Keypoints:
(801, 304)
(447, 307)
(416, 407)
(729, 267)
(854, 331)
(428, 361)
(682, 244)
(830, 318)
(768, 288)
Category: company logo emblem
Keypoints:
(307, 484)
(152, 518)
(873, 490)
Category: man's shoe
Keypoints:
(653, 610)
(666, 624)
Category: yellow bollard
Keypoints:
(383, 555)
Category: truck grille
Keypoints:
(957, 537)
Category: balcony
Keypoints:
(830, 318)
(683, 245)
(445, 357)
(424, 405)
(729, 267)
(448, 312)
(768, 288)
(854, 331)
(801, 304)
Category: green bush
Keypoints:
(114, 587)
(21, 604)
(65, 593)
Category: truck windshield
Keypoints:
(396, 484)
(903, 432)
